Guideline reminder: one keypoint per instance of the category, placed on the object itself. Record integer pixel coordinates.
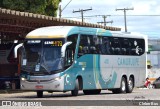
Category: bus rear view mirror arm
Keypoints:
(63, 49)
(16, 49)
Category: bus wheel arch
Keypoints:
(123, 85)
(78, 86)
(80, 82)
(130, 84)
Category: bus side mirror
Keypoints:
(16, 49)
(63, 49)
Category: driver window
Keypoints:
(70, 50)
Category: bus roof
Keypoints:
(49, 32)
(64, 31)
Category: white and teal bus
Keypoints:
(69, 58)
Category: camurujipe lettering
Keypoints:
(128, 61)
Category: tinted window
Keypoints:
(111, 45)
(84, 45)
(137, 46)
(125, 44)
(70, 51)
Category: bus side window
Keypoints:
(92, 45)
(116, 46)
(125, 46)
(141, 48)
(83, 45)
(133, 47)
(137, 46)
(103, 45)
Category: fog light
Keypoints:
(23, 79)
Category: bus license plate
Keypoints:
(39, 87)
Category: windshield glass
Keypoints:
(42, 55)
(51, 59)
(33, 50)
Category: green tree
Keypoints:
(36, 6)
(1, 3)
(46, 7)
(51, 7)
(19, 5)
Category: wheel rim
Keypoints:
(123, 86)
(130, 84)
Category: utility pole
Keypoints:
(105, 23)
(110, 22)
(60, 11)
(82, 10)
(60, 8)
(104, 18)
(125, 9)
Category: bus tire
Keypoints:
(115, 91)
(130, 85)
(39, 94)
(86, 92)
(76, 88)
(92, 92)
(123, 85)
(122, 88)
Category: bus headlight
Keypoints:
(23, 79)
(58, 78)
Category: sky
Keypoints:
(143, 19)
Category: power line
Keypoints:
(104, 19)
(60, 9)
(105, 22)
(67, 5)
(118, 15)
(125, 22)
(82, 10)
(137, 15)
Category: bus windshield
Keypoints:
(42, 56)
(51, 59)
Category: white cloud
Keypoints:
(144, 7)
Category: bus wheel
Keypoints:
(39, 94)
(122, 88)
(123, 85)
(86, 92)
(130, 85)
(76, 89)
(115, 91)
(90, 92)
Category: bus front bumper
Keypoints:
(56, 84)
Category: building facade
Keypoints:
(153, 59)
